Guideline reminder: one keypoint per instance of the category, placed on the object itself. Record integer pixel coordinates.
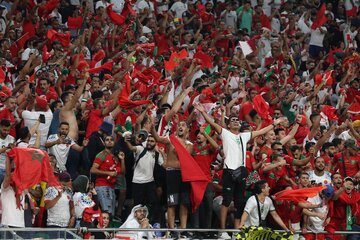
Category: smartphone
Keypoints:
(42, 118)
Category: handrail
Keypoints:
(149, 230)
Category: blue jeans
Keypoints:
(107, 199)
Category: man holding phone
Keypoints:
(41, 112)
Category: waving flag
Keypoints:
(298, 195)
(321, 19)
(32, 167)
(63, 38)
(75, 22)
(106, 66)
(190, 172)
(175, 59)
(114, 17)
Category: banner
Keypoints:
(262, 233)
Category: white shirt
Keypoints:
(81, 201)
(3, 144)
(59, 214)
(29, 120)
(144, 170)
(315, 223)
(234, 151)
(143, 5)
(11, 214)
(179, 8)
(118, 5)
(60, 151)
(324, 179)
(162, 8)
(317, 37)
(252, 210)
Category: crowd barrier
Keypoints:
(72, 233)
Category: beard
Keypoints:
(149, 147)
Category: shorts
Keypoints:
(178, 192)
(120, 182)
(107, 199)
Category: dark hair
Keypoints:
(23, 133)
(96, 102)
(64, 123)
(308, 145)
(253, 113)
(303, 173)
(53, 105)
(275, 156)
(275, 143)
(278, 130)
(327, 145)
(332, 175)
(5, 123)
(97, 94)
(259, 186)
(337, 141)
(294, 148)
(230, 117)
(64, 96)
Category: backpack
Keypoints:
(157, 167)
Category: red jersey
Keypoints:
(352, 164)
(204, 157)
(107, 162)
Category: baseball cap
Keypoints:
(328, 191)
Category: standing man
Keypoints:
(5, 142)
(178, 192)
(144, 187)
(60, 144)
(261, 199)
(319, 176)
(106, 167)
(234, 147)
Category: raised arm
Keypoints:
(129, 145)
(71, 104)
(177, 104)
(290, 135)
(264, 130)
(212, 142)
(208, 119)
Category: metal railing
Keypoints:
(73, 233)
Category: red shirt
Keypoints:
(50, 95)
(6, 114)
(106, 162)
(352, 164)
(204, 157)
(95, 120)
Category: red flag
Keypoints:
(329, 111)
(321, 19)
(204, 58)
(128, 10)
(190, 172)
(98, 56)
(63, 38)
(75, 22)
(175, 59)
(261, 107)
(298, 195)
(32, 167)
(123, 98)
(106, 66)
(115, 18)
(330, 59)
(22, 40)
(328, 77)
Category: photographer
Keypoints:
(59, 145)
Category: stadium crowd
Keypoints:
(182, 114)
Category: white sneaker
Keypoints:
(224, 235)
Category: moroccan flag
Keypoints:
(190, 172)
(32, 167)
(175, 59)
(298, 195)
(204, 58)
(321, 19)
(114, 17)
(123, 98)
(63, 38)
(106, 66)
(75, 22)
